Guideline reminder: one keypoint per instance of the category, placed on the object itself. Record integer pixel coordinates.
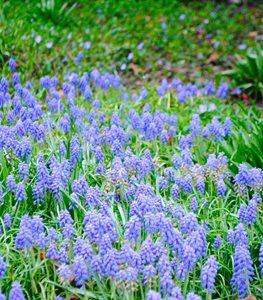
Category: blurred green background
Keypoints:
(142, 40)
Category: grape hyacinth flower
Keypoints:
(172, 132)
(195, 126)
(200, 185)
(111, 265)
(231, 236)
(24, 238)
(189, 258)
(164, 137)
(129, 277)
(52, 252)
(10, 183)
(65, 218)
(187, 184)
(80, 270)
(208, 274)
(217, 242)
(68, 231)
(209, 89)
(23, 171)
(206, 132)
(7, 221)
(12, 65)
(221, 188)
(149, 273)
(49, 45)
(146, 253)
(16, 292)
(193, 296)
(227, 126)
(243, 176)
(65, 273)
(243, 271)
(97, 266)
(140, 46)
(194, 205)
(176, 294)
(133, 229)
(242, 213)
(216, 129)
(163, 265)
(161, 90)
(197, 240)
(176, 161)
(261, 259)
(256, 182)
(182, 95)
(16, 80)
(52, 235)
(256, 197)
(2, 268)
(181, 272)
(185, 142)
(222, 91)
(99, 155)
(20, 192)
(62, 149)
(187, 158)
(162, 183)
(189, 223)
(251, 213)
(166, 282)
(153, 295)
(2, 296)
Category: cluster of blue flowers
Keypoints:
(122, 186)
(186, 91)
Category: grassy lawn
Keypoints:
(163, 38)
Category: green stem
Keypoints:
(168, 101)
(186, 284)
(142, 293)
(113, 290)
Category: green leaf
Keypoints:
(75, 291)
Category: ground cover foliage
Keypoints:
(193, 40)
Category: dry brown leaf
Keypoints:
(253, 34)
(213, 57)
(200, 35)
(42, 255)
(135, 68)
(250, 298)
(168, 68)
(162, 19)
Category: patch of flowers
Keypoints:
(102, 195)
